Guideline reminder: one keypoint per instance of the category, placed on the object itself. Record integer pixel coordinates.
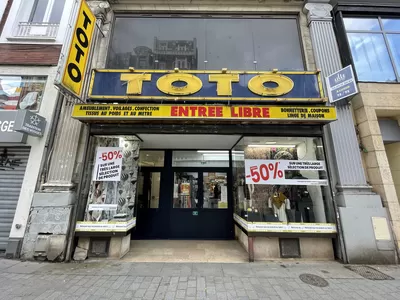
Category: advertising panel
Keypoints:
(264, 171)
(73, 77)
(327, 228)
(108, 164)
(7, 124)
(203, 112)
(30, 123)
(206, 85)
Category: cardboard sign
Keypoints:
(108, 164)
(264, 171)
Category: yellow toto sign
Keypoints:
(73, 77)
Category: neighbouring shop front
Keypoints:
(180, 153)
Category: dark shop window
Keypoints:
(205, 43)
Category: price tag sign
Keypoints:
(263, 171)
(108, 164)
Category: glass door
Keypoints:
(215, 190)
(200, 204)
(151, 217)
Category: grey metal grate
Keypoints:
(369, 273)
(313, 280)
(289, 248)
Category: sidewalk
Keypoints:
(124, 280)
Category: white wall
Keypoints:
(37, 144)
(19, 8)
(3, 4)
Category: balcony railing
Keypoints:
(36, 30)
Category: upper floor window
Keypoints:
(47, 11)
(375, 48)
(208, 43)
(39, 19)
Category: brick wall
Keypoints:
(5, 15)
(29, 54)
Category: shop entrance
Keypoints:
(185, 193)
(184, 202)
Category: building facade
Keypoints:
(31, 37)
(203, 122)
(376, 106)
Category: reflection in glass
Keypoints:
(197, 43)
(149, 158)
(394, 44)
(148, 189)
(21, 92)
(371, 57)
(215, 190)
(186, 190)
(305, 202)
(201, 158)
(367, 24)
(154, 190)
(391, 24)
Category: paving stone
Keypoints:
(180, 294)
(191, 292)
(49, 282)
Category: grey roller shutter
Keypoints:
(13, 162)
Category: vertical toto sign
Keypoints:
(75, 65)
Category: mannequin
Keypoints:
(248, 194)
(279, 204)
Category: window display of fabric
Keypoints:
(279, 203)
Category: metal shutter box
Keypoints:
(13, 162)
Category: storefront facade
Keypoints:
(205, 124)
(196, 106)
(31, 37)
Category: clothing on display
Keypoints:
(279, 203)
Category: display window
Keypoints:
(114, 180)
(281, 180)
(21, 92)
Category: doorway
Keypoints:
(201, 208)
(181, 201)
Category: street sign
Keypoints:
(341, 84)
(29, 123)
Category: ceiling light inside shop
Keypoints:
(216, 154)
(212, 151)
(271, 146)
(270, 143)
